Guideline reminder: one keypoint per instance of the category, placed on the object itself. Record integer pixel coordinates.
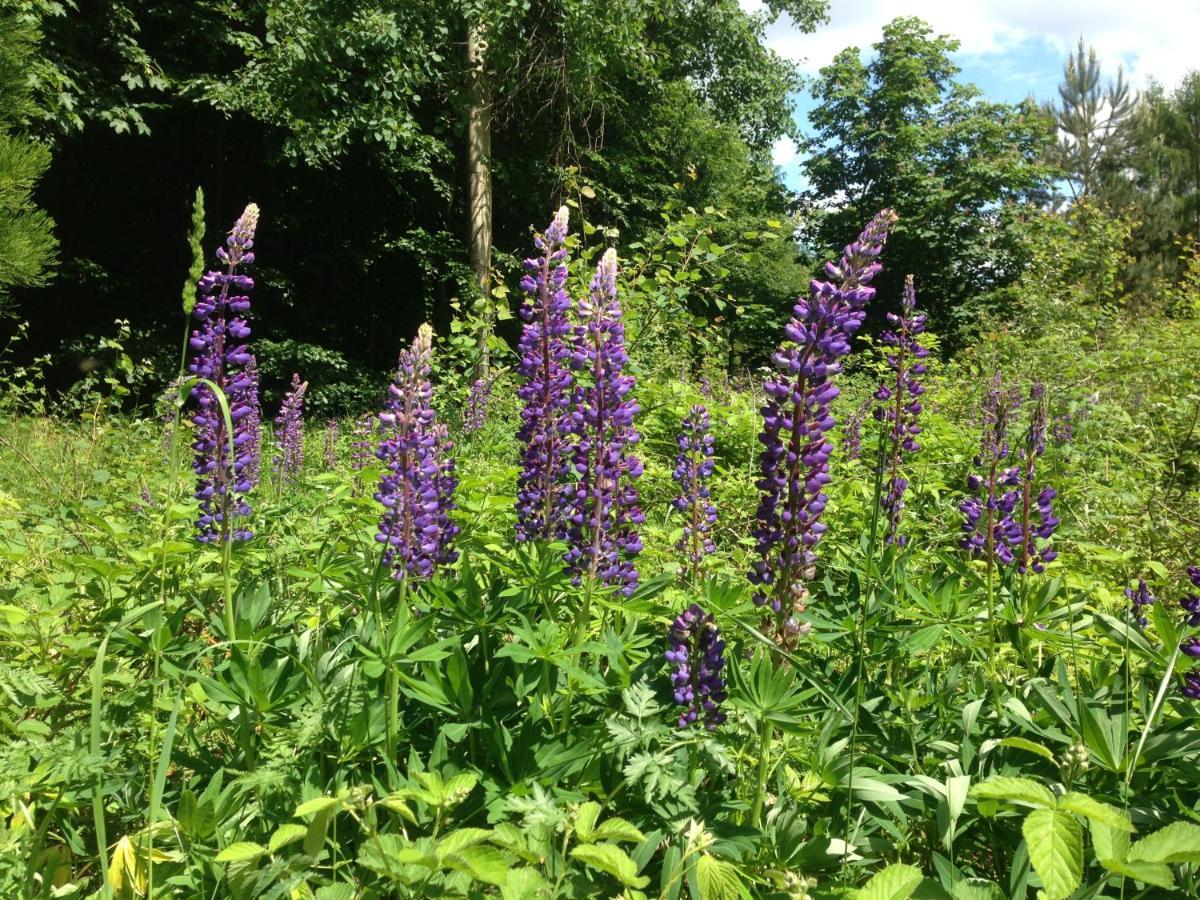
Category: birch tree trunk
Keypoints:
(479, 185)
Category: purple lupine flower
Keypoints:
(416, 484)
(706, 389)
(447, 481)
(546, 391)
(900, 402)
(1191, 602)
(289, 457)
(221, 357)
(253, 427)
(601, 514)
(852, 432)
(693, 467)
(333, 432)
(795, 457)
(478, 396)
(1062, 429)
(697, 655)
(1191, 685)
(1037, 521)
(1139, 598)
(989, 529)
(362, 448)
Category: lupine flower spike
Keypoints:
(253, 427)
(600, 509)
(478, 396)
(852, 433)
(697, 655)
(289, 424)
(693, 468)
(416, 487)
(1139, 599)
(988, 527)
(1037, 521)
(796, 419)
(221, 357)
(1191, 644)
(546, 391)
(362, 448)
(900, 402)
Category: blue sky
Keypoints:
(1010, 48)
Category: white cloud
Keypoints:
(783, 151)
(1155, 39)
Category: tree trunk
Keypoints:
(479, 186)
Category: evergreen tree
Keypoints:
(27, 244)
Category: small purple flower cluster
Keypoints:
(478, 396)
(1191, 644)
(795, 457)
(416, 489)
(852, 432)
(900, 402)
(362, 448)
(989, 529)
(289, 458)
(694, 466)
(697, 653)
(545, 353)
(222, 358)
(1037, 522)
(601, 514)
(1139, 599)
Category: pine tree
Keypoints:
(27, 244)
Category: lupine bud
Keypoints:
(693, 468)
(546, 391)
(478, 396)
(989, 529)
(416, 489)
(697, 655)
(222, 357)
(900, 402)
(795, 459)
(600, 509)
(1139, 598)
(289, 460)
(1037, 521)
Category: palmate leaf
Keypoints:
(1054, 840)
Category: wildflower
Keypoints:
(253, 427)
(546, 391)
(852, 432)
(693, 467)
(600, 509)
(417, 483)
(1191, 685)
(900, 402)
(992, 535)
(1037, 521)
(698, 655)
(478, 396)
(224, 477)
(332, 434)
(289, 459)
(796, 417)
(1139, 598)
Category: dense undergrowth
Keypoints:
(183, 721)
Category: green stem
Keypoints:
(760, 786)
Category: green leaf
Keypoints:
(1014, 790)
(1179, 842)
(522, 884)
(617, 829)
(242, 851)
(316, 805)
(1157, 874)
(1094, 810)
(1054, 840)
(613, 860)
(286, 834)
(486, 864)
(717, 879)
(1021, 743)
(896, 882)
(585, 821)
(461, 839)
(1110, 843)
(976, 889)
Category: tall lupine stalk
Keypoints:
(1191, 645)
(333, 432)
(478, 396)
(289, 425)
(221, 357)
(253, 428)
(900, 403)
(546, 392)
(796, 418)
(600, 509)
(415, 490)
(852, 432)
(362, 448)
(693, 468)
(447, 481)
(989, 529)
(696, 653)
(1037, 521)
